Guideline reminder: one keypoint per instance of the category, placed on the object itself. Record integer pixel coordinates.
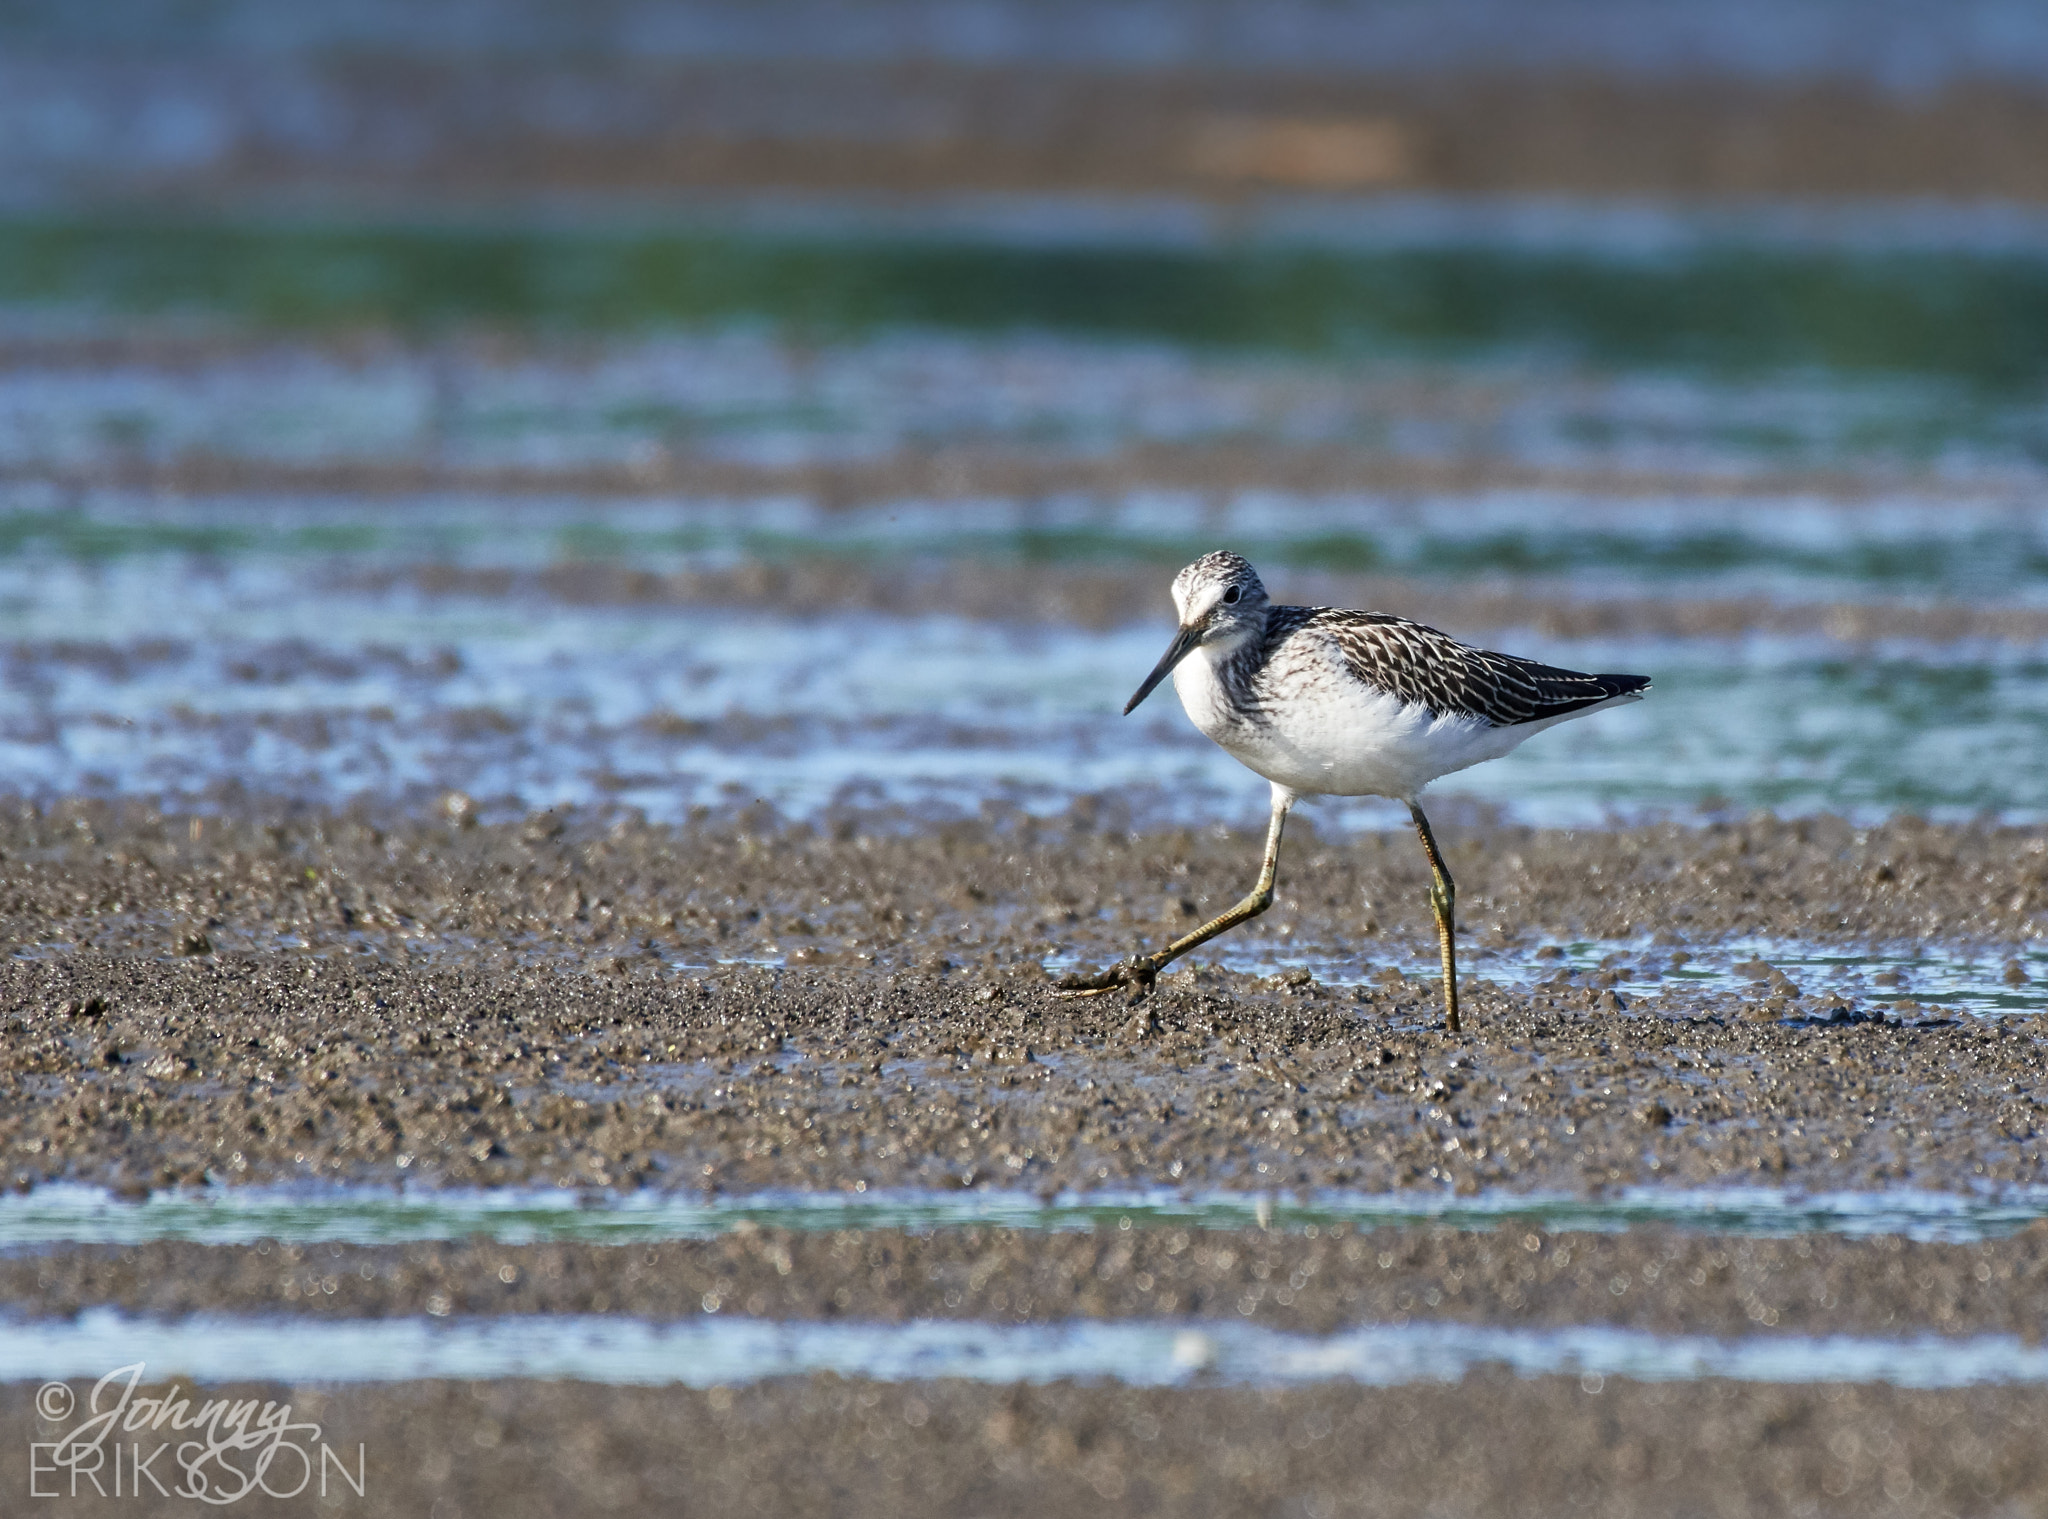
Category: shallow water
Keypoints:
(1921, 980)
(1910, 981)
(66, 1214)
(723, 1350)
(1662, 469)
(201, 646)
(1916, 46)
(1730, 305)
(1936, 539)
(128, 682)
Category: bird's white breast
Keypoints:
(1322, 731)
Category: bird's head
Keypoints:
(1221, 600)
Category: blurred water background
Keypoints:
(673, 406)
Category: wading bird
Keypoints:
(1324, 702)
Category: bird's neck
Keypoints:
(1234, 658)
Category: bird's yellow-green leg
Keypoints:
(1443, 901)
(1140, 971)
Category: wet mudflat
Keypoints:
(355, 609)
(1660, 1281)
(596, 1004)
(166, 1078)
(1490, 1444)
(751, 1004)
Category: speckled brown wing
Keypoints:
(1423, 667)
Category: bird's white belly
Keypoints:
(1342, 739)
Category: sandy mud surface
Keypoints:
(1490, 1444)
(748, 1004)
(1662, 1281)
(281, 995)
(1005, 891)
(147, 1077)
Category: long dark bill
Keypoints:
(1183, 644)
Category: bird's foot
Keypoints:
(1136, 975)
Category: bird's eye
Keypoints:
(1230, 595)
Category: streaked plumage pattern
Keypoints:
(1420, 666)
